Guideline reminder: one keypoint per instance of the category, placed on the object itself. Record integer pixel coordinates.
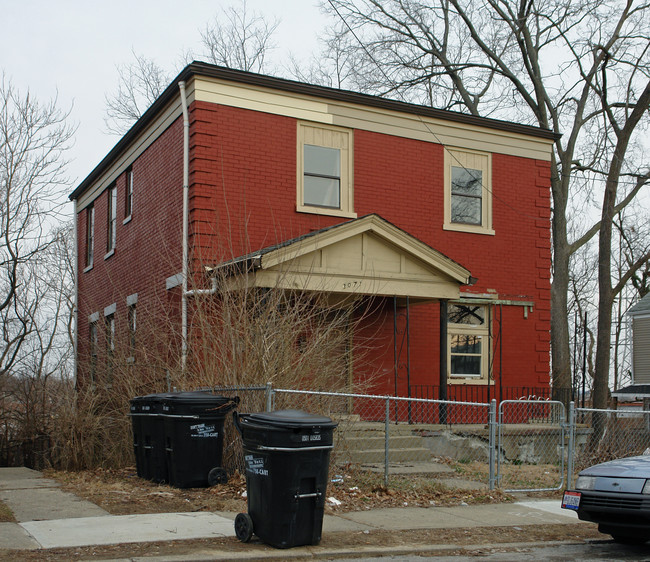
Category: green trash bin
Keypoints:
(286, 457)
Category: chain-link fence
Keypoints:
(521, 445)
(531, 445)
(602, 435)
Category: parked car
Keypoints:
(616, 495)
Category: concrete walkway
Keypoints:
(49, 518)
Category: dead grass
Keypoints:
(6, 516)
(121, 492)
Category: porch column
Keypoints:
(443, 358)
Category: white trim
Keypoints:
(94, 317)
(110, 309)
(132, 299)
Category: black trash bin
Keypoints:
(194, 423)
(149, 437)
(286, 456)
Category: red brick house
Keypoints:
(443, 215)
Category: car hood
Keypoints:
(631, 467)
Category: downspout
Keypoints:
(186, 199)
(75, 312)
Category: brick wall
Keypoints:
(243, 197)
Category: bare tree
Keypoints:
(577, 67)
(237, 38)
(140, 83)
(34, 139)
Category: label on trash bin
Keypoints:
(310, 438)
(204, 430)
(256, 465)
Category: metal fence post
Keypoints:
(386, 437)
(572, 444)
(492, 443)
(269, 397)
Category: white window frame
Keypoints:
(471, 330)
(90, 237)
(132, 320)
(326, 137)
(474, 160)
(128, 196)
(111, 221)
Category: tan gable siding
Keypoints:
(641, 349)
(373, 119)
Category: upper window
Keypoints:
(468, 331)
(90, 235)
(468, 191)
(111, 219)
(128, 194)
(325, 171)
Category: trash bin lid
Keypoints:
(197, 396)
(289, 418)
(199, 401)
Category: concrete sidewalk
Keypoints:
(47, 517)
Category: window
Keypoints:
(93, 336)
(110, 346)
(469, 336)
(468, 191)
(90, 236)
(132, 326)
(111, 220)
(128, 195)
(325, 171)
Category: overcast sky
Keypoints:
(70, 48)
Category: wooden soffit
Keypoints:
(365, 256)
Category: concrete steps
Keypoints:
(364, 443)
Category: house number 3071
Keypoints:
(351, 284)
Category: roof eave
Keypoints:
(281, 84)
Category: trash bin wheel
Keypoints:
(217, 475)
(243, 527)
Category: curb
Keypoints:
(313, 552)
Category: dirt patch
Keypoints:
(484, 540)
(121, 492)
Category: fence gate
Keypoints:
(531, 445)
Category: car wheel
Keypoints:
(628, 539)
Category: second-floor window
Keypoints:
(90, 235)
(325, 170)
(468, 191)
(128, 195)
(111, 219)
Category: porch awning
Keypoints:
(364, 256)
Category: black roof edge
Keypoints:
(283, 84)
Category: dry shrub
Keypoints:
(240, 335)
